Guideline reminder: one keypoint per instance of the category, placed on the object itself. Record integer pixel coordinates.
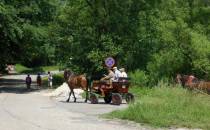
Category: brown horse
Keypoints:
(187, 81)
(205, 86)
(75, 82)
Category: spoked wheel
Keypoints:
(93, 99)
(129, 98)
(116, 99)
(108, 98)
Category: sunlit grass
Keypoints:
(167, 106)
(22, 69)
(50, 68)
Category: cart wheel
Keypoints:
(93, 99)
(108, 98)
(129, 98)
(116, 99)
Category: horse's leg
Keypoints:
(69, 96)
(86, 96)
(74, 96)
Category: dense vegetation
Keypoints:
(153, 39)
(160, 37)
(24, 31)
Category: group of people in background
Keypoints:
(115, 74)
(28, 80)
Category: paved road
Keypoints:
(21, 109)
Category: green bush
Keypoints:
(165, 64)
(58, 79)
(139, 78)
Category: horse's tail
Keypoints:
(88, 81)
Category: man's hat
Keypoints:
(114, 67)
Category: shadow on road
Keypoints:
(17, 90)
(73, 102)
(15, 86)
(11, 81)
(83, 102)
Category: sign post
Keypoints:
(109, 62)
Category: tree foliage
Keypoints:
(160, 37)
(24, 30)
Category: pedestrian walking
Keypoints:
(28, 81)
(39, 80)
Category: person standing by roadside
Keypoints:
(50, 78)
(39, 80)
(28, 81)
(110, 78)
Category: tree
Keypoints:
(24, 30)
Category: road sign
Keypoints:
(110, 62)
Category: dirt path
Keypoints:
(29, 110)
(22, 109)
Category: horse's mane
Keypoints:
(70, 73)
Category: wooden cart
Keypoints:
(111, 93)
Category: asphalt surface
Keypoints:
(22, 109)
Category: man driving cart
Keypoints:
(107, 79)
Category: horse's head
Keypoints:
(178, 78)
(187, 80)
(67, 74)
(182, 79)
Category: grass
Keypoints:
(22, 69)
(167, 106)
(50, 68)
